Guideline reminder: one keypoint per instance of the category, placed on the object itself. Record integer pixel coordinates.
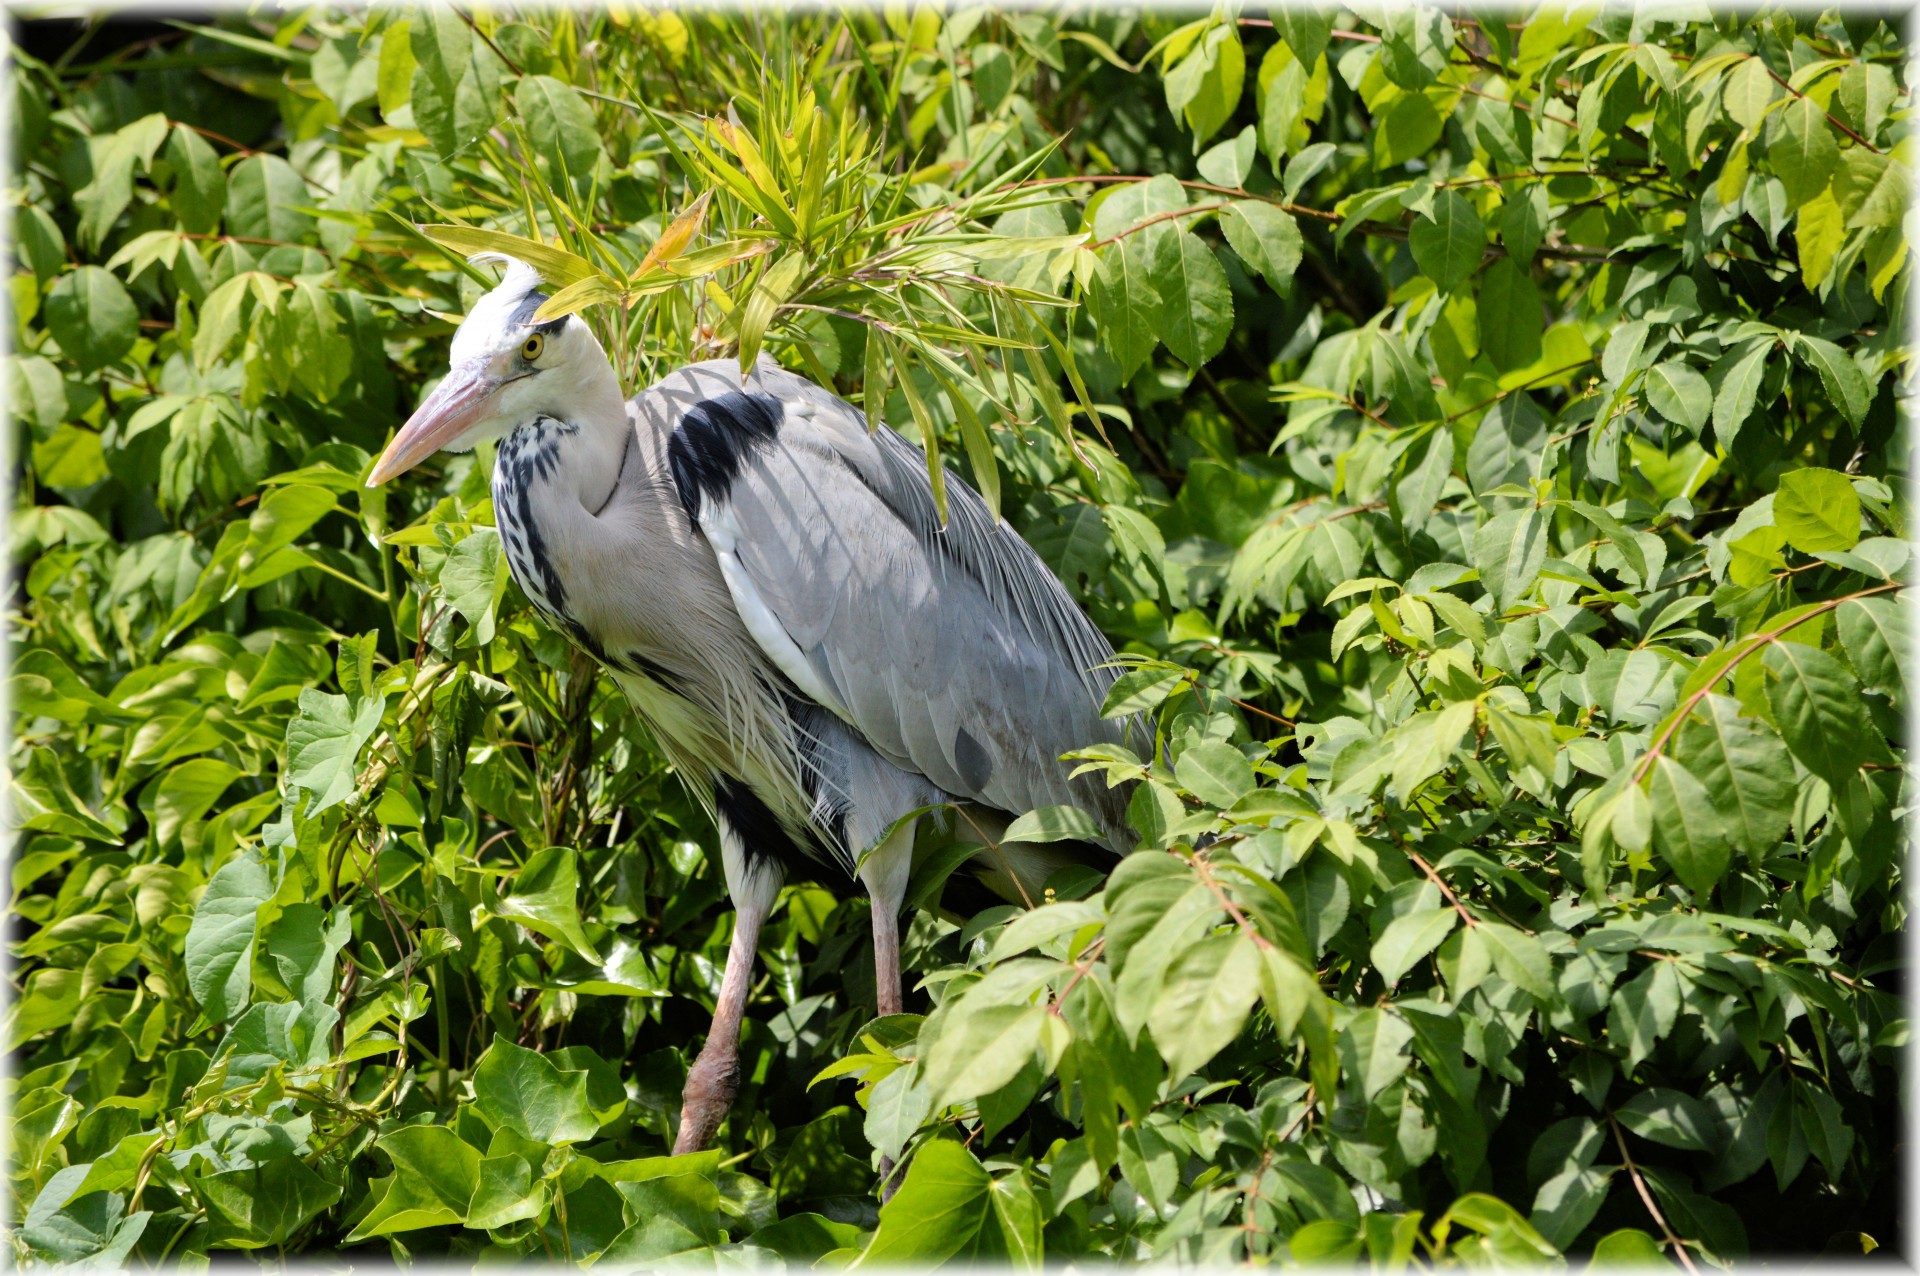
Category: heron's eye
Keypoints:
(534, 345)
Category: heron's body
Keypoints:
(770, 584)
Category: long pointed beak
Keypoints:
(455, 405)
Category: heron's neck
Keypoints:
(584, 445)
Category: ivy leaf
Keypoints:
(324, 740)
(938, 1211)
(545, 898)
(219, 947)
(521, 1091)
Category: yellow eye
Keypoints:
(534, 345)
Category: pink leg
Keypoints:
(714, 1078)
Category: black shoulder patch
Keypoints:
(524, 312)
(713, 439)
(971, 760)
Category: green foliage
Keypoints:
(1480, 438)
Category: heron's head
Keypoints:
(506, 371)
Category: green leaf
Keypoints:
(1447, 243)
(219, 946)
(1409, 938)
(1744, 767)
(1196, 305)
(199, 192)
(1816, 704)
(324, 740)
(263, 1205)
(1847, 387)
(1267, 239)
(1214, 771)
(1875, 635)
(1739, 390)
(1817, 509)
(302, 947)
(938, 1211)
(521, 1091)
(1519, 957)
(1125, 304)
(266, 199)
(92, 317)
(1204, 1000)
(1687, 828)
(559, 122)
(545, 898)
(1509, 552)
(997, 1042)
(473, 579)
(1680, 394)
(1511, 320)
(1668, 1117)
(1373, 1050)
(1804, 152)
(1629, 1247)
(435, 1175)
(1053, 824)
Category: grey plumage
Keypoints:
(768, 581)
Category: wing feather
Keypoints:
(953, 650)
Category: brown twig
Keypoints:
(1646, 1198)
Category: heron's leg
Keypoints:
(884, 872)
(714, 1078)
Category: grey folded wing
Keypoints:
(952, 650)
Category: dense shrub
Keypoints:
(1480, 435)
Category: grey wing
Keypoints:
(953, 650)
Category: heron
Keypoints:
(824, 660)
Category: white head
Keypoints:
(506, 371)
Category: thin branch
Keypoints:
(1646, 1198)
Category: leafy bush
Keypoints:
(1480, 435)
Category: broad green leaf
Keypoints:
(1680, 394)
(1214, 771)
(1204, 1000)
(1817, 509)
(1744, 767)
(559, 122)
(264, 1205)
(1125, 304)
(267, 200)
(938, 1211)
(92, 317)
(1408, 939)
(1266, 238)
(1196, 305)
(199, 194)
(1509, 552)
(544, 897)
(521, 1091)
(1847, 387)
(1688, 829)
(435, 1174)
(1804, 152)
(1447, 244)
(324, 740)
(1875, 635)
(1816, 704)
(219, 946)
(1373, 1050)
(1511, 321)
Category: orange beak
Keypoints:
(455, 406)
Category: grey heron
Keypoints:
(768, 581)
